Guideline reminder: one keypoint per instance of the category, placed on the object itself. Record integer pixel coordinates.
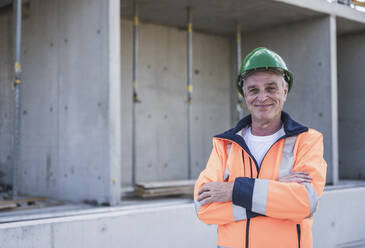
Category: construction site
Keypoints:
(108, 109)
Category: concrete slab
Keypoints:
(4, 3)
(337, 223)
(220, 17)
(346, 26)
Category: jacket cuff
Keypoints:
(243, 191)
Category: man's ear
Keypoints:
(286, 90)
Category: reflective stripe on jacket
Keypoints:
(265, 212)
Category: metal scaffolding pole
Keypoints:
(239, 61)
(189, 84)
(135, 96)
(17, 7)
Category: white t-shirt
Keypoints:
(259, 145)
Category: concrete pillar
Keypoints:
(334, 100)
(307, 49)
(351, 85)
(115, 103)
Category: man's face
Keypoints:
(265, 94)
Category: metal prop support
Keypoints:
(239, 61)
(189, 84)
(135, 95)
(17, 7)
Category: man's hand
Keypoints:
(215, 192)
(296, 177)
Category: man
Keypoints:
(264, 177)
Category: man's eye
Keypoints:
(253, 91)
(271, 89)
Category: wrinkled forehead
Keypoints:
(264, 78)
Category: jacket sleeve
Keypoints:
(287, 200)
(216, 212)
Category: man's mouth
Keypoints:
(264, 105)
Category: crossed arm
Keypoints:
(222, 191)
(294, 196)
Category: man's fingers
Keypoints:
(203, 196)
(302, 176)
(203, 189)
(298, 177)
(299, 173)
(206, 201)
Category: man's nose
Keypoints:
(262, 96)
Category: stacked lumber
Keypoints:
(166, 188)
(20, 203)
(358, 3)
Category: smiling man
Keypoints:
(264, 177)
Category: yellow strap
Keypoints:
(190, 27)
(18, 66)
(136, 20)
(17, 81)
(190, 88)
(238, 38)
(135, 84)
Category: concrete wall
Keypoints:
(176, 225)
(351, 87)
(161, 120)
(340, 219)
(65, 149)
(305, 46)
(6, 95)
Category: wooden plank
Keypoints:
(27, 203)
(166, 184)
(146, 194)
(8, 205)
(21, 200)
(175, 190)
(358, 3)
(167, 188)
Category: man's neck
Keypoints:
(265, 128)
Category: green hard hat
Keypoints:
(263, 59)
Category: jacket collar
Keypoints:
(291, 128)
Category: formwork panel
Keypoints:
(161, 117)
(64, 132)
(83, 99)
(305, 47)
(351, 86)
(38, 162)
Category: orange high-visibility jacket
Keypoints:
(265, 212)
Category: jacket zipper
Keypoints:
(259, 168)
(250, 167)
(248, 232)
(298, 232)
(248, 220)
(258, 172)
